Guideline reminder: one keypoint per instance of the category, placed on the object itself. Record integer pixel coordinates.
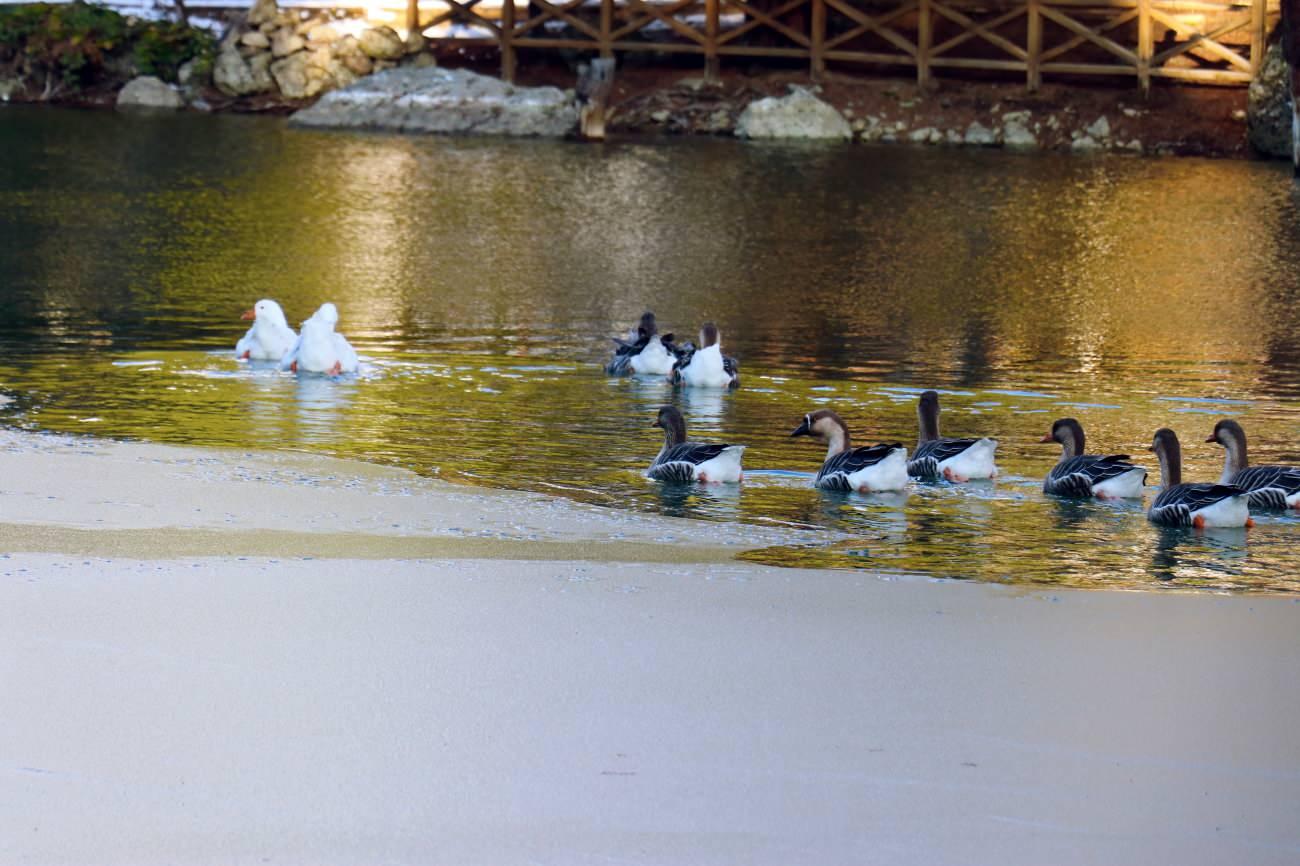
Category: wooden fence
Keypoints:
(1206, 41)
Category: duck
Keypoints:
(269, 337)
(646, 352)
(1198, 505)
(319, 348)
(705, 366)
(1084, 475)
(1270, 487)
(866, 469)
(682, 462)
(941, 457)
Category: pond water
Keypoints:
(481, 281)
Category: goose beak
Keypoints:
(1151, 448)
(801, 430)
(1211, 439)
(1047, 438)
(248, 314)
(654, 423)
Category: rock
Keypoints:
(1084, 144)
(185, 73)
(717, 122)
(451, 101)
(1017, 136)
(858, 125)
(382, 43)
(8, 87)
(979, 135)
(1135, 146)
(1021, 117)
(322, 32)
(424, 60)
(1239, 114)
(660, 116)
(307, 73)
(1268, 107)
(952, 137)
(235, 76)
(922, 135)
(286, 42)
(799, 115)
(261, 12)
(348, 51)
(149, 92)
(1099, 129)
(255, 39)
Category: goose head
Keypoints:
(709, 335)
(672, 423)
(647, 327)
(826, 427)
(1229, 434)
(927, 414)
(1170, 453)
(267, 311)
(1069, 433)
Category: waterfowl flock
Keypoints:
(887, 467)
(318, 348)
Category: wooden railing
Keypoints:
(1206, 41)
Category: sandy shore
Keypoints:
(227, 658)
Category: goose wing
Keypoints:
(678, 462)
(928, 455)
(1175, 505)
(292, 355)
(836, 470)
(1078, 475)
(1269, 486)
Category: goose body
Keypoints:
(644, 352)
(865, 470)
(319, 348)
(269, 337)
(1198, 505)
(683, 462)
(706, 366)
(944, 457)
(1087, 475)
(1272, 488)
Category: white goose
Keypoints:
(1198, 505)
(866, 469)
(705, 366)
(943, 457)
(319, 349)
(269, 337)
(682, 462)
(1083, 475)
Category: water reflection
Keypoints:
(482, 281)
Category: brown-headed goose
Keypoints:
(647, 352)
(1270, 487)
(942, 457)
(1198, 505)
(865, 469)
(704, 366)
(682, 462)
(1083, 475)
(269, 337)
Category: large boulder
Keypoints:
(235, 76)
(450, 101)
(382, 43)
(149, 93)
(1268, 111)
(305, 74)
(798, 115)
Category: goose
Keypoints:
(682, 462)
(319, 349)
(269, 337)
(941, 457)
(865, 469)
(646, 351)
(1198, 505)
(1270, 487)
(1082, 475)
(705, 366)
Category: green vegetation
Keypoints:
(55, 51)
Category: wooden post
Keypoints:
(1033, 46)
(606, 29)
(412, 20)
(924, 35)
(712, 15)
(818, 39)
(1258, 34)
(595, 82)
(508, 40)
(1145, 47)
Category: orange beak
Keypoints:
(1047, 438)
(248, 314)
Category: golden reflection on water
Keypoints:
(481, 280)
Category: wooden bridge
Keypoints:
(1205, 41)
